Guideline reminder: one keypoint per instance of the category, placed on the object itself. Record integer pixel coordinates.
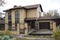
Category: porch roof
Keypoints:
(43, 18)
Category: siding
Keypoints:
(31, 13)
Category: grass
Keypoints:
(21, 39)
(30, 36)
(40, 36)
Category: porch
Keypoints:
(41, 27)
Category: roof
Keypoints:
(13, 8)
(32, 6)
(25, 7)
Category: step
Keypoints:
(42, 32)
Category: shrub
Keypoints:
(1, 34)
(56, 34)
(8, 33)
(11, 37)
(6, 38)
(0, 38)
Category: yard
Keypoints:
(36, 38)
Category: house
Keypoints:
(2, 24)
(26, 19)
(2, 15)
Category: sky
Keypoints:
(46, 4)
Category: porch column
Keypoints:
(36, 25)
(29, 27)
(54, 26)
(51, 25)
(26, 29)
(18, 29)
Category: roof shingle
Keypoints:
(26, 7)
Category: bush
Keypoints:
(6, 38)
(8, 33)
(56, 34)
(11, 37)
(0, 38)
(1, 34)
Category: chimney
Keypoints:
(15, 6)
(41, 11)
(41, 8)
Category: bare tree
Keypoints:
(2, 2)
(56, 14)
(2, 14)
(52, 13)
(49, 13)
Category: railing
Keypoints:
(32, 30)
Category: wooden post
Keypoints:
(38, 25)
(51, 25)
(54, 26)
(18, 31)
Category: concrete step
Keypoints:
(42, 32)
(32, 30)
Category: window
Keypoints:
(10, 25)
(9, 20)
(22, 31)
(16, 18)
(16, 14)
(9, 15)
(2, 27)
